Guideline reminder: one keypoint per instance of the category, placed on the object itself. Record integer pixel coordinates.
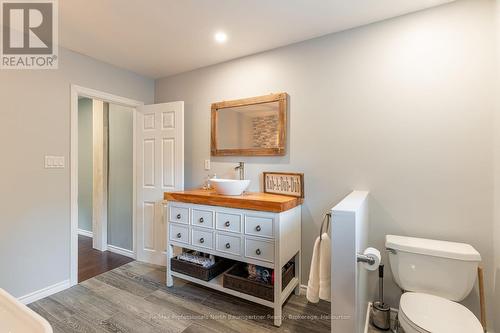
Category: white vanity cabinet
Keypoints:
(268, 239)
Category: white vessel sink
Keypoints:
(16, 317)
(229, 186)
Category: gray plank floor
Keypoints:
(134, 298)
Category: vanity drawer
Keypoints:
(179, 233)
(202, 238)
(259, 226)
(202, 218)
(259, 250)
(228, 244)
(179, 214)
(228, 222)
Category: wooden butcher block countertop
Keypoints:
(250, 200)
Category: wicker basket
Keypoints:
(237, 279)
(198, 271)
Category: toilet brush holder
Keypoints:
(380, 312)
(381, 316)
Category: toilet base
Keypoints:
(405, 325)
(397, 327)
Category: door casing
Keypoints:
(78, 91)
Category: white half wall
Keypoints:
(350, 295)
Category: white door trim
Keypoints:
(100, 175)
(77, 91)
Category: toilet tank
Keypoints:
(440, 268)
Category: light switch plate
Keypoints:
(54, 162)
(207, 165)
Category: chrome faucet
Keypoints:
(241, 168)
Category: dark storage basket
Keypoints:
(198, 271)
(237, 279)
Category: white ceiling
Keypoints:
(157, 38)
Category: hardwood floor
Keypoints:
(134, 298)
(92, 262)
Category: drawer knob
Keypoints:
(178, 216)
(179, 235)
(201, 220)
(228, 246)
(258, 252)
(258, 228)
(227, 224)
(202, 240)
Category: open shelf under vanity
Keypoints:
(269, 239)
(217, 284)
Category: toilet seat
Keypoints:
(425, 313)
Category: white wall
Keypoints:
(120, 181)
(496, 149)
(120, 173)
(85, 164)
(403, 108)
(35, 202)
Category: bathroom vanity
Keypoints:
(255, 228)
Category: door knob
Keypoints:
(258, 252)
(179, 235)
(228, 245)
(227, 224)
(178, 216)
(202, 240)
(201, 220)
(258, 228)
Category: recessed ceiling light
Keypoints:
(220, 37)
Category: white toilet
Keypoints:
(435, 275)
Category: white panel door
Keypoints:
(160, 168)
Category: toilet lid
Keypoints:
(438, 315)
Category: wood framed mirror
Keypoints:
(253, 126)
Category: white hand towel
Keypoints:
(313, 283)
(319, 285)
(325, 268)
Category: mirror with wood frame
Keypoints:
(253, 126)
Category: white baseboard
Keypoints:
(45, 292)
(85, 233)
(123, 252)
(109, 247)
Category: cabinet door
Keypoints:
(179, 233)
(202, 218)
(259, 250)
(202, 238)
(228, 222)
(228, 244)
(259, 226)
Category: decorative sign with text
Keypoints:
(284, 183)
